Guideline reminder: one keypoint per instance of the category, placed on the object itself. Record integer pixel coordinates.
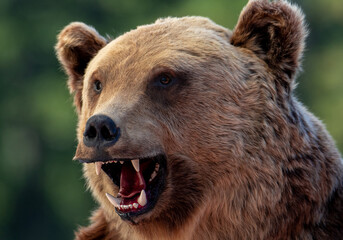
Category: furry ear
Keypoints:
(76, 45)
(275, 31)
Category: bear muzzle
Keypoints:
(140, 179)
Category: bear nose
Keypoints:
(101, 131)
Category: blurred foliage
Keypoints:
(42, 193)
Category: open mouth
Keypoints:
(140, 183)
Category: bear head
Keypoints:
(177, 112)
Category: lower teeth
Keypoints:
(141, 201)
(131, 206)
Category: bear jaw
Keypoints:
(137, 183)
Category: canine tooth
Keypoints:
(135, 164)
(135, 205)
(153, 175)
(130, 206)
(98, 167)
(115, 201)
(121, 162)
(142, 198)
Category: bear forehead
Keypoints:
(164, 40)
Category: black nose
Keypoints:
(100, 131)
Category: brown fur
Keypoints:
(77, 46)
(245, 159)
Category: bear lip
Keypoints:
(105, 160)
(140, 182)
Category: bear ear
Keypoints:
(76, 45)
(275, 31)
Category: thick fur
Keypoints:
(275, 32)
(76, 47)
(245, 160)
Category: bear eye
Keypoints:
(164, 79)
(97, 86)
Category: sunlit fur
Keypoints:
(245, 159)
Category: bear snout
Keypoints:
(100, 132)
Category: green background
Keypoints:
(42, 193)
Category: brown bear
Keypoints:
(188, 130)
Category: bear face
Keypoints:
(188, 130)
(150, 113)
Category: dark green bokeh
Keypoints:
(42, 193)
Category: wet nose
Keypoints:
(101, 131)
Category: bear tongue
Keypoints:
(131, 181)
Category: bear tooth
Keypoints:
(153, 175)
(121, 162)
(135, 205)
(115, 201)
(135, 164)
(98, 167)
(142, 198)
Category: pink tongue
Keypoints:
(131, 182)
